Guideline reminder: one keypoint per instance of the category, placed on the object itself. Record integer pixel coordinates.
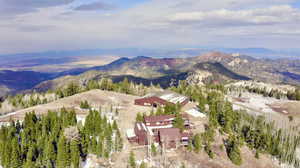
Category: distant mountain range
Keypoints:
(60, 57)
(208, 67)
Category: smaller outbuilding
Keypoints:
(141, 132)
(131, 135)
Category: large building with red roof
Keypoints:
(162, 99)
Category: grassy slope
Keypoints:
(219, 69)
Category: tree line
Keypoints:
(28, 100)
(238, 129)
(107, 84)
(57, 140)
(275, 93)
(72, 88)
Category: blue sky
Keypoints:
(123, 4)
(127, 3)
(35, 25)
(296, 4)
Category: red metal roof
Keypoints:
(169, 134)
(162, 98)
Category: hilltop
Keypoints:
(127, 111)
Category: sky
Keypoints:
(43, 25)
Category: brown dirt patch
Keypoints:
(291, 108)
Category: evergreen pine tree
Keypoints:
(229, 117)
(143, 165)
(179, 122)
(153, 150)
(16, 160)
(125, 86)
(62, 153)
(29, 158)
(118, 141)
(115, 125)
(99, 148)
(190, 146)
(139, 117)
(213, 114)
(108, 145)
(131, 160)
(233, 151)
(197, 143)
(49, 153)
(75, 154)
(159, 111)
(93, 145)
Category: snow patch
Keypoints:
(255, 102)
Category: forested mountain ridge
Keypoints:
(149, 70)
(168, 71)
(274, 71)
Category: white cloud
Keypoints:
(155, 23)
(225, 17)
